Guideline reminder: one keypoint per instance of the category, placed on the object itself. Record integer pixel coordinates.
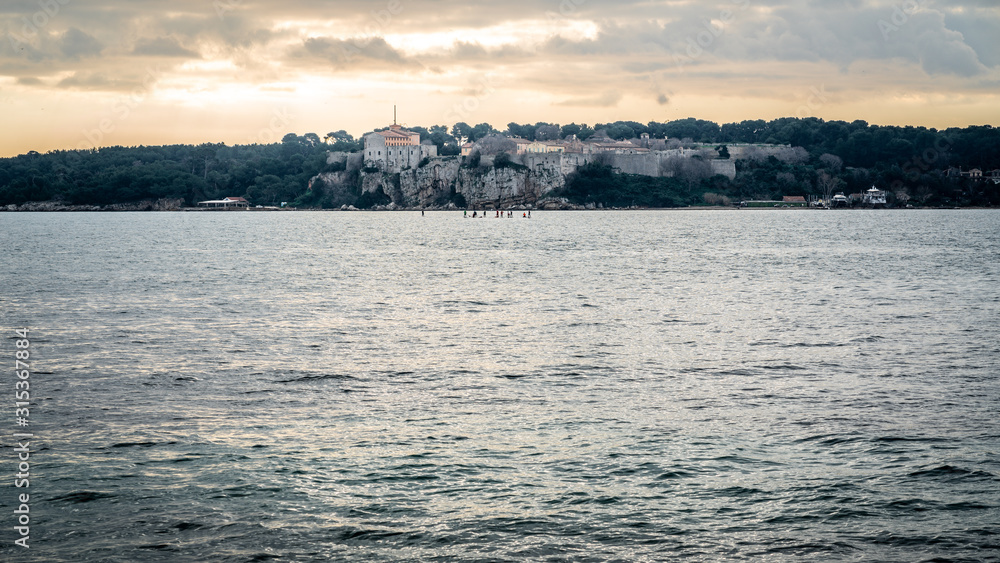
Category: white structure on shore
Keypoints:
(874, 196)
(226, 203)
(396, 149)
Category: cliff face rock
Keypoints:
(522, 180)
(442, 178)
(507, 185)
(431, 183)
(332, 178)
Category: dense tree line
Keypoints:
(911, 163)
(835, 156)
(265, 174)
(598, 183)
(857, 143)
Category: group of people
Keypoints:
(499, 214)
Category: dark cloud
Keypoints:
(88, 81)
(75, 44)
(979, 29)
(357, 53)
(584, 45)
(162, 47)
(942, 51)
(639, 32)
(15, 54)
(137, 81)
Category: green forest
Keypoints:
(911, 163)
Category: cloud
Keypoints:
(941, 50)
(608, 98)
(132, 80)
(163, 47)
(359, 53)
(75, 44)
(88, 81)
(569, 58)
(642, 37)
(979, 27)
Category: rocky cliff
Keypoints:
(441, 180)
(517, 180)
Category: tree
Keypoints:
(547, 133)
(828, 185)
(620, 131)
(264, 190)
(582, 132)
(792, 155)
(335, 136)
(712, 198)
(521, 131)
(473, 160)
(698, 130)
(424, 133)
(831, 162)
(461, 130)
(311, 139)
(205, 153)
(502, 160)
(481, 130)
(495, 144)
(910, 159)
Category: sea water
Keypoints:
(743, 385)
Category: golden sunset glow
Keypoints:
(197, 72)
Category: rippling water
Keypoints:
(600, 386)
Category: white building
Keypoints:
(226, 203)
(396, 149)
(874, 196)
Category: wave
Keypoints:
(316, 377)
(137, 444)
(951, 473)
(82, 496)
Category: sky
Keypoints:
(92, 73)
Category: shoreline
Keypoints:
(34, 207)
